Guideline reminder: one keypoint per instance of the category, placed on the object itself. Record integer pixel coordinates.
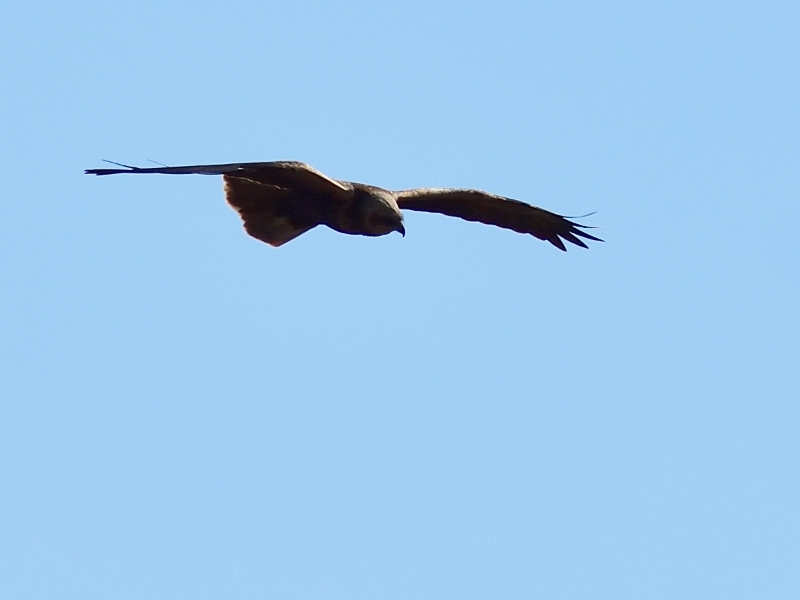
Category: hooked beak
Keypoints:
(401, 229)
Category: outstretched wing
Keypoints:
(293, 175)
(474, 205)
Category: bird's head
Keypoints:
(383, 215)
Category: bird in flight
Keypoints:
(279, 201)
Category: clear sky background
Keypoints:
(464, 413)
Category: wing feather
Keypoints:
(269, 213)
(482, 207)
(288, 174)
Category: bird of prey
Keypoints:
(279, 201)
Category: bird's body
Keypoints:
(279, 201)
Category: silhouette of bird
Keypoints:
(279, 201)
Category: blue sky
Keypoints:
(463, 413)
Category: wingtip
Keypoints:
(125, 169)
(585, 235)
(577, 229)
(105, 171)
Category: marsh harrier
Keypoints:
(278, 201)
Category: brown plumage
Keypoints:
(280, 200)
